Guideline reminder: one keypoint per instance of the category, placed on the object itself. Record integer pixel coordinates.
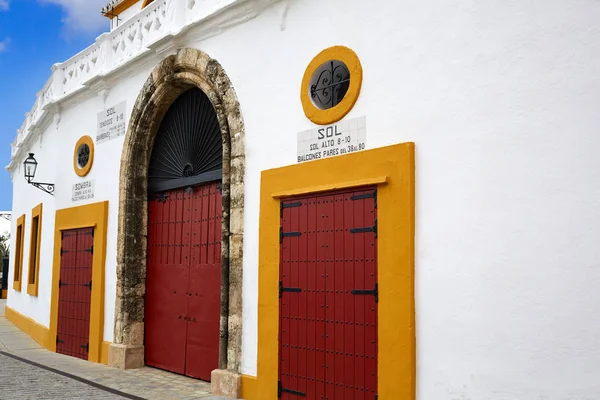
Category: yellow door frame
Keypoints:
(87, 216)
(392, 170)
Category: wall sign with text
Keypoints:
(83, 190)
(111, 123)
(333, 140)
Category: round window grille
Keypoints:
(83, 155)
(329, 84)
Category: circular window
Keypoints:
(84, 156)
(331, 85)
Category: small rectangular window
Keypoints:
(34, 251)
(19, 253)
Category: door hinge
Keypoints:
(88, 285)
(374, 292)
(283, 234)
(58, 340)
(287, 289)
(367, 229)
(281, 390)
(86, 347)
(63, 251)
(372, 195)
(283, 206)
(90, 250)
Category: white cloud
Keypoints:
(4, 44)
(81, 16)
(3, 5)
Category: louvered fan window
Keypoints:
(187, 150)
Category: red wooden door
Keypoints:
(183, 281)
(328, 297)
(204, 306)
(75, 292)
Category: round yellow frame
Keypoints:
(85, 170)
(333, 114)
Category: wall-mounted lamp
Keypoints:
(30, 167)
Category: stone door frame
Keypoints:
(186, 69)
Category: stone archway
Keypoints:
(175, 74)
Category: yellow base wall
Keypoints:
(41, 334)
(38, 332)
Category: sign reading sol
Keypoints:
(333, 140)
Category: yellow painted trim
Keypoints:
(18, 265)
(91, 215)
(395, 204)
(104, 353)
(249, 387)
(32, 288)
(146, 2)
(85, 170)
(333, 114)
(38, 332)
(4, 294)
(379, 180)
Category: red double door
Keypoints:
(75, 292)
(183, 283)
(328, 297)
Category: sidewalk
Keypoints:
(147, 383)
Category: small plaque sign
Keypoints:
(111, 123)
(83, 190)
(333, 140)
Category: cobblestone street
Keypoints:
(27, 371)
(20, 380)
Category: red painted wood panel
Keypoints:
(75, 293)
(166, 286)
(205, 285)
(182, 308)
(328, 335)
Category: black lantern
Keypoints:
(30, 168)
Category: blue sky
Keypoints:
(34, 34)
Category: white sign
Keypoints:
(333, 140)
(111, 123)
(83, 190)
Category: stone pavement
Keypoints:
(79, 379)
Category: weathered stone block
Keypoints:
(125, 356)
(226, 383)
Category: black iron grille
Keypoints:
(329, 84)
(83, 155)
(188, 148)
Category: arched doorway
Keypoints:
(183, 272)
(175, 75)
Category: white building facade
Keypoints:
(463, 136)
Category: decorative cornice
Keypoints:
(157, 30)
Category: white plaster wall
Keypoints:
(501, 99)
(25, 198)
(55, 164)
